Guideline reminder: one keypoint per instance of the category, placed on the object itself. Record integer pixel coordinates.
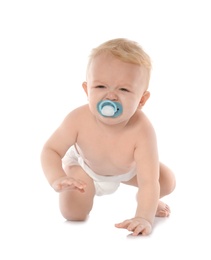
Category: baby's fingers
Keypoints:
(135, 226)
(131, 225)
(73, 184)
(141, 229)
(123, 224)
(68, 183)
(80, 185)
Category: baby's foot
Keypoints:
(163, 210)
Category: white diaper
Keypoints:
(103, 184)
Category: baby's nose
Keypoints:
(111, 95)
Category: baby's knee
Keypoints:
(167, 185)
(70, 215)
(171, 185)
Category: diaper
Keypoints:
(103, 184)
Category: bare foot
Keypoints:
(163, 210)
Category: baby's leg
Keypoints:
(167, 185)
(167, 180)
(75, 205)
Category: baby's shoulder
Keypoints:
(141, 120)
(80, 110)
(78, 114)
(142, 125)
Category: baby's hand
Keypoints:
(136, 225)
(68, 183)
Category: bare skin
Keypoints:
(110, 146)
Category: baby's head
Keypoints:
(118, 75)
(126, 51)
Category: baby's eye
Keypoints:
(100, 86)
(124, 89)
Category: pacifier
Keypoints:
(109, 108)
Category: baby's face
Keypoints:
(109, 78)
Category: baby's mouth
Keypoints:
(109, 108)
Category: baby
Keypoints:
(110, 140)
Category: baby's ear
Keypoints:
(144, 99)
(84, 85)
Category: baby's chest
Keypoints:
(116, 151)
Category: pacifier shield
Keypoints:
(109, 108)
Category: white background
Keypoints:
(44, 48)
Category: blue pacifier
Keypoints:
(109, 108)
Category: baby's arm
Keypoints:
(148, 179)
(54, 150)
(147, 163)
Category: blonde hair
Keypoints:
(125, 50)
